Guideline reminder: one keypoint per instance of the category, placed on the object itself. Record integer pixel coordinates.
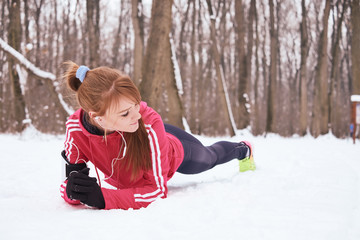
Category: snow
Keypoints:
(355, 98)
(303, 188)
(29, 46)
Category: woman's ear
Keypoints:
(95, 117)
(92, 114)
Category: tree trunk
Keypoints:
(256, 114)
(158, 86)
(272, 93)
(321, 106)
(38, 31)
(334, 107)
(303, 71)
(138, 24)
(3, 113)
(249, 53)
(66, 38)
(93, 17)
(355, 46)
(265, 74)
(222, 90)
(57, 41)
(243, 121)
(182, 42)
(16, 115)
(117, 42)
(200, 73)
(194, 102)
(27, 22)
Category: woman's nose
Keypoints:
(136, 115)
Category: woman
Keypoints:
(127, 141)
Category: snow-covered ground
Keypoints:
(303, 188)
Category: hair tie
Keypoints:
(81, 72)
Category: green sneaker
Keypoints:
(247, 163)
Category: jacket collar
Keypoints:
(88, 129)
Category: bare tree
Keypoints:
(16, 113)
(223, 95)
(117, 41)
(57, 40)
(66, 37)
(256, 91)
(38, 30)
(243, 97)
(27, 23)
(272, 93)
(250, 45)
(158, 86)
(335, 78)
(194, 102)
(304, 49)
(93, 28)
(355, 46)
(321, 107)
(138, 24)
(3, 124)
(182, 40)
(199, 115)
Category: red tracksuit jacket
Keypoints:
(166, 152)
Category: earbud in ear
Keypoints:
(97, 118)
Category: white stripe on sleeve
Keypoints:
(72, 125)
(157, 172)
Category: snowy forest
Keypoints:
(272, 66)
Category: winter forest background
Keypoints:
(287, 67)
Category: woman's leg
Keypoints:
(198, 158)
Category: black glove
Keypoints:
(72, 167)
(84, 188)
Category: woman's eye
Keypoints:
(124, 115)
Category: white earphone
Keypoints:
(98, 120)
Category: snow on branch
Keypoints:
(355, 98)
(26, 63)
(34, 70)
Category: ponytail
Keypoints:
(70, 76)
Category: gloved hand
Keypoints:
(64, 195)
(84, 188)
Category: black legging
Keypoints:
(198, 158)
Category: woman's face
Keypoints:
(121, 116)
